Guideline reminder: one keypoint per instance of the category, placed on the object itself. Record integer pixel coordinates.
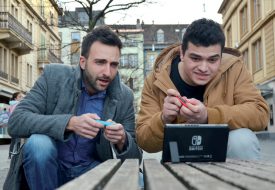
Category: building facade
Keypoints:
(156, 38)
(73, 26)
(132, 60)
(249, 26)
(28, 40)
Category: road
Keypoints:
(267, 144)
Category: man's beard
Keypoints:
(90, 81)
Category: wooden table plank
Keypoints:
(156, 177)
(95, 178)
(251, 171)
(234, 177)
(196, 179)
(261, 165)
(126, 178)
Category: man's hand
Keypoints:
(171, 106)
(195, 113)
(85, 125)
(116, 135)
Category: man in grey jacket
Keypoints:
(60, 114)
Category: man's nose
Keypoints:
(203, 66)
(107, 70)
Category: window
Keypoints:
(243, 20)
(256, 10)
(52, 45)
(160, 36)
(42, 51)
(130, 43)
(82, 17)
(246, 58)
(129, 60)
(75, 58)
(14, 68)
(42, 11)
(52, 19)
(29, 26)
(75, 48)
(123, 60)
(150, 62)
(14, 11)
(3, 63)
(257, 56)
(133, 60)
(6, 60)
(75, 36)
(29, 75)
(229, 36)
(3, 6)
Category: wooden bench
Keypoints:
(110, 175)
(231, 175)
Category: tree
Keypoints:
(108, 6)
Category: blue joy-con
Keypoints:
(105, 123)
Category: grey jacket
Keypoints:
(53, 100)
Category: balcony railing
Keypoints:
(47, 56)
(7, 21)
(53, 58)
(42, 56)
(14, 80)
(3, 74)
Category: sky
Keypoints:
(167, 12)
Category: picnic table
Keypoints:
(232, 175)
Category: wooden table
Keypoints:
(110, 175)
(232, 175)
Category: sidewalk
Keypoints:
(4, 163)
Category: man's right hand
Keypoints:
(85, 125)
(171, 106)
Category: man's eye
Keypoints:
(213, 60)
(195, 58)
(114, 65)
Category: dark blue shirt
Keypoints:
(80, 150)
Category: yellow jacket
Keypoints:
(230, 97)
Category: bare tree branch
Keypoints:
(109, 7)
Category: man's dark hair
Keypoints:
(203, 32)
(103, 34)
(14, 95)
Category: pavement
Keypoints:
(267, 142)
(4, 163)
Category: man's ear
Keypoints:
(82, 62)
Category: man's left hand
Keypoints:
(115, 134)
(195, 113)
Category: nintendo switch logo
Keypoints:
(196, 140)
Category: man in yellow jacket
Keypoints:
(216, 86)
